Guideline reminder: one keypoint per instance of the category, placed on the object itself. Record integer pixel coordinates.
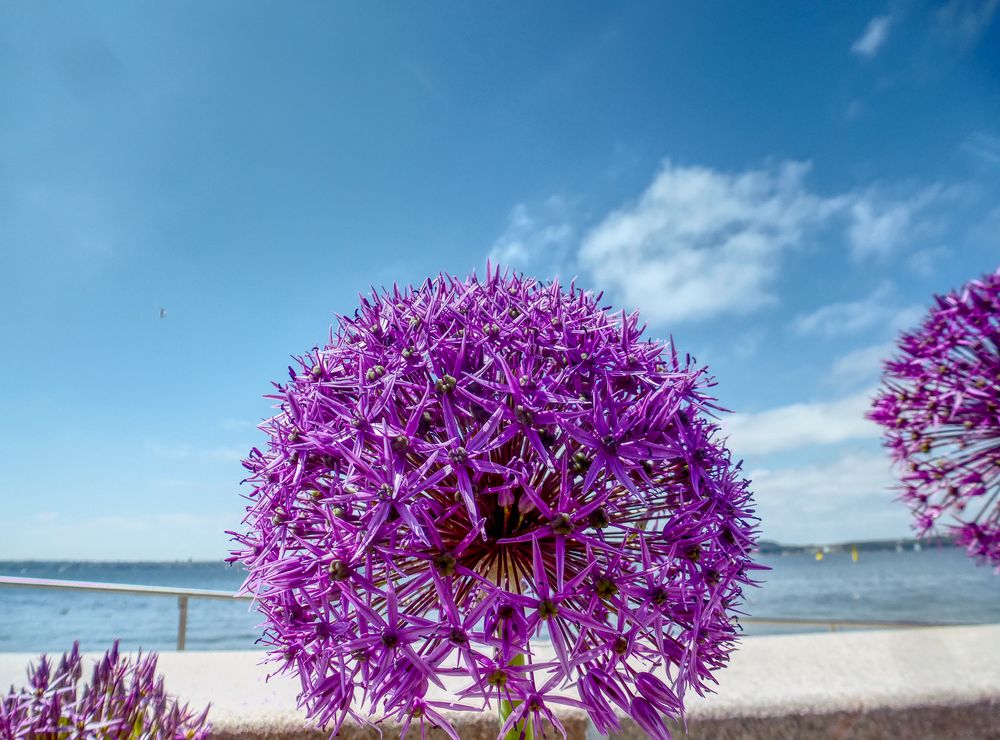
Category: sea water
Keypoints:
(936, 585)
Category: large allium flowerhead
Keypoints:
(940, 407)
(122, 701)
(470, 465)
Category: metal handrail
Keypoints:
(184, 594)
(119, 588)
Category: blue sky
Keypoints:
(780, 186)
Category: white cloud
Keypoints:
(855, 109)
(849, 317)
(847, 498)
(963, 21)
(984, 147)
(924, 262)
(861, 365)
(874, 36)
(747, 344)
(875, 232)
(824, 485)
(879, 224)
(531, 239)
(699, 243)
(986, 230)
(801, 425)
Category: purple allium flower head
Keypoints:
(940, 407)
(123, 700)
(469, 465)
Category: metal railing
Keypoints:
(184, 594)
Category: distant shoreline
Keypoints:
(906, 543)
(765, 547)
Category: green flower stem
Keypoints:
(522, 730)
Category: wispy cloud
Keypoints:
(873, 38)
(825, 485)
(699, 242)
(925, 262)
(800, 425)
(984, 147)
(849, 317)
(879, 223)
(855, 109)
(748, 343)
(963, 21)
(861, 365)
(530, 238)
(806, 504)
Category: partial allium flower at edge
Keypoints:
(123, 700)
(468, 466)
(940, 407)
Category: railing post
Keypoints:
(182, 621)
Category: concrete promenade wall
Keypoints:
(914, 684)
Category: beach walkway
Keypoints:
(941, 682)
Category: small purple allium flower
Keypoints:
(470, 465)
(123, 700)
(940, 406)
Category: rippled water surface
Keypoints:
(929, 585)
